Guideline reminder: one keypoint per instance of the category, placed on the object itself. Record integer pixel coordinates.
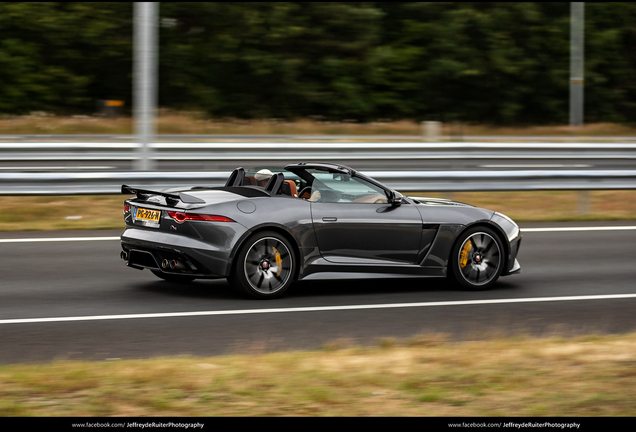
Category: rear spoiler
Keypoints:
(171, 199)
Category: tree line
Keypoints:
(498, 63)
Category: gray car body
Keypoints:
(412, 239)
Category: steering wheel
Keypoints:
(328, 195)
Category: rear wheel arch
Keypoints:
(265, 265)
(271, 228)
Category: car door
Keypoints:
(356, 224)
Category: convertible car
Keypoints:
(267, 228)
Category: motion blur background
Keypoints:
(247, 73)
(496, 63)
(525, 108)
(76, 73)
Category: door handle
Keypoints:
(329, 219)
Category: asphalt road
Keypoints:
(86, 280)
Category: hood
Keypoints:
(437, 201)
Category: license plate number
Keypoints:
(148, 215)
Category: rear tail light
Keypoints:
(182, 217)
(126, 208)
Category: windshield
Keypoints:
(343, 188)
(323, 185)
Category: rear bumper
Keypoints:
(165, 261)
(144, 249)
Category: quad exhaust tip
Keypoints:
(172, 264)
(166, 264)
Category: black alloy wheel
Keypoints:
(477, 259)
(264, 267)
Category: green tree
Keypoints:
(268, 59)
(62, 56)
(486, 62)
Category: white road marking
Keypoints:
(57, 239)
(55, 168)
(315, 309)
(564, 229)
(537, 166)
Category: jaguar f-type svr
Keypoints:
(267, 228)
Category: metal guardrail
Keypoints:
(251, 151)
(315, 137)
(69, 183)
(83, 182)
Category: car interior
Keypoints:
(307, 185)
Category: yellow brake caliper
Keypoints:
(463, 257)
(279, 261)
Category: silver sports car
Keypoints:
(267, 228)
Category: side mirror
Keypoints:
(396, 198)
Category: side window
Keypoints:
(343, 188)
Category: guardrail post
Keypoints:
(577, 23)
(583, 202)
(145, 79)
(431, 130)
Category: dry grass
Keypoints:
(170, 122)
(551, 206)
(50, 213)
(594, 129)
(64, 125)
(425, 376)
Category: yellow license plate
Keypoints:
(148, 215)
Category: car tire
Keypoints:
(477, 259)
(176, 278)
(265, 266)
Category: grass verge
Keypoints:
(78, 212)
(552, 206)
(61, 213)
(171, 122)
(422, 376)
